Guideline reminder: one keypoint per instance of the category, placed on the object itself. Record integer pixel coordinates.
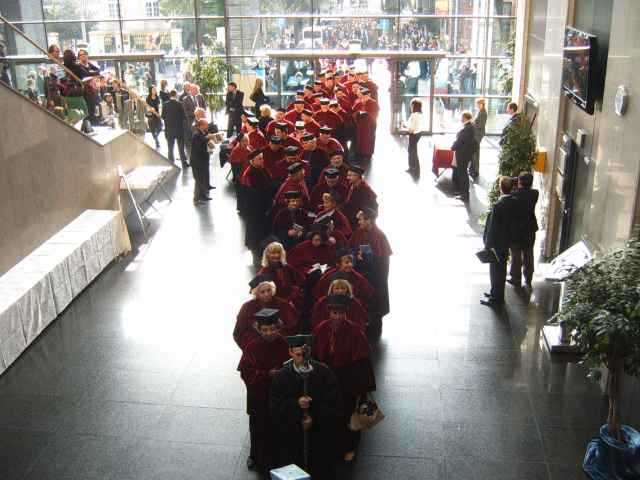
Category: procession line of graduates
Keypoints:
(323, 271)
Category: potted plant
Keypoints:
(601, 309)
(210, 74)
(517, 154)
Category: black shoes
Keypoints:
(490, 302)
(211, 187)
(185, 165)
(251, 463)
(511, 281)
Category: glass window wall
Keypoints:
(477, 35)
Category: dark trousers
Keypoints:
(262, 438)
(498, 276)
(200, 189)
(414, 161)
(234, 124)
(474, 167)
(461, 177)
(171, 141)
(348, 440)
(522, 262)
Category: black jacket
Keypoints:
(501, 226)
(234, 104)
(512, 121)
(527, 223)
(199, 153)
(173, 116)
(465, 144)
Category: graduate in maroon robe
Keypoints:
(291, 156)
(279, 119)
(310, 125)
(261, 360)
(337, 161)
(317, 158)
(360, 195)
(296, 114)
(327, 143)
(292, 223)
(344, 348)
(365, 117)
(314, 250)
(368, 236)
(331, 213)
(362, 289)
(356, 312)
(263, 289)
(289, 282)
(325, 117)
(273, 153)
(288, 140)
(256, 188)
(256, 137)
(295, 181)
(329, 183)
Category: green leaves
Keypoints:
(210, 74)
(602, 307)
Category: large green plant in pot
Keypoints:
(517, 154)
(601, 306)
(210, 74)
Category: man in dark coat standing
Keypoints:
(512, 110)
(464, 148)
(527, 226)
(173, 116)
(498, 236)
(200, 162)
(234, 108)
(314, 413)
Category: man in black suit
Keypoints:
(189, 103)
(512, 110)
(464, 148)
(522, 245)
(234, 108)
(498, 236)
(173, 116)
(199, 162)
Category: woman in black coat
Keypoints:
(153, 114)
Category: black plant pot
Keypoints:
(608, 459)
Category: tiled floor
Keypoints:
(137, 379)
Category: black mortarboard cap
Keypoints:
(306, 111)
(258, 279)
(308, 137)
(281, 109)
(308, 87)
(332, 173)
(337, 302)
(254, 154)
(253, 121)
(275, 139)
(292, 194)
(282, 125)
(300, 341)
(267, 316)
(298, 101)
(322, 73)
(326, 129)
(318, 82)
(342, 252)
(291, 150)
(299, 92)
(334, 102)
(299, 125)
(356, 168)
(369, 212)
(364, 91)
(324, 101)
(248, 113)
(294, 168)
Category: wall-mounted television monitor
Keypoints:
(580, 72)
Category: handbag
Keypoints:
(366, 415)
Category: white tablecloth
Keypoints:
(40, 287)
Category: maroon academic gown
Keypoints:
(321, 188)
(359, 196)
(271, 158)
(356, 313)
(343, 169)
(258, 359)
(244, 331)
(344, 348)
(362, 289)
(331, 146)
(381, 249)
(271, 127)
(283, 222)
(289, 185)
(304, 256)
(340, 222)
(328, 118)
(292, 116)
(289, 283)
(365, 126)
(312, 127)
(257, 140)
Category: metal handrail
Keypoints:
(33, 43)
